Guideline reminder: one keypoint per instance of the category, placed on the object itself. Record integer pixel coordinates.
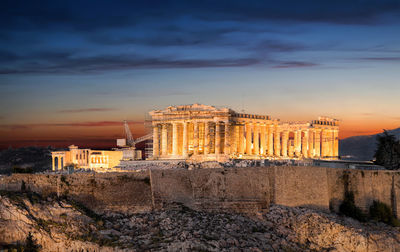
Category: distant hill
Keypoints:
(361, 147)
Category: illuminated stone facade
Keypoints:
(97, 160)
(202, 132)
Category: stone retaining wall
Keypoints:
(238, 189)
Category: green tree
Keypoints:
(388, 152)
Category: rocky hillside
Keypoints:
(64, 225)
(361, 147)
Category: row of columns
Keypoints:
(96, 159)
(273, 141)
(161, 141)
(245, 139)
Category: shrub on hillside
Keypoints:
(349, 208)
(381, 212)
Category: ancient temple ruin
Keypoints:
(202, 132)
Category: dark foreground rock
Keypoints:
(67, 226)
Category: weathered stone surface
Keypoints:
(245, 189)
(124, 192)
(57, 225)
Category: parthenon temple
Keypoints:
(202, 132)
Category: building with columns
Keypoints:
(97, 160)
(202, 133)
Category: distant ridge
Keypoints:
(361, 147)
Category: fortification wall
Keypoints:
(238, 189)
(366, 185)
(242, 190)
(124, 192)
(301, 186)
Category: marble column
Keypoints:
(185, 140)
(53, 164)
(235, 140)
(248, 139)
(164, 139)
(156, 147)
(304, 144)
(299, 142)
(336, 143)
(174, 138)
(195, 138)
(291, 149)
(317, 143)
(295, 143)
(285, 138)
(217, 138)
(277, 142)
(241, 139)
(270, 140)
(227, 145)
(311, 151)
(206, 138)
(331, 143)
(263, 141)
(256, 140)
(324, 143)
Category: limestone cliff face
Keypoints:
(64, 226)
(56, 225)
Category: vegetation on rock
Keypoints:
(349, 208)
(388, 151)
(381, 212)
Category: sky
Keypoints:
(72, 71)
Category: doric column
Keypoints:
(336, 143)
(217, 138)
(164, 139)
(241, 139)
(206, 138)
(295, 142)
(227, 139)
(248, 138)
(324, 143)
(59, 164)
(311, 151)
(304, 144)
(156, 142)
(195, 138)
(174, 138)
(235, 140)
(298, 146)
(331, 143)
(285, 138)
(185, 140)
(291, 149)
(270, 140)
(277, 142)
(317, 143)
(52, 163)
(263, 143)
(256, 139)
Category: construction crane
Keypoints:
(128, 135)
(129, 141)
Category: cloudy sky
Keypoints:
(71, 71)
